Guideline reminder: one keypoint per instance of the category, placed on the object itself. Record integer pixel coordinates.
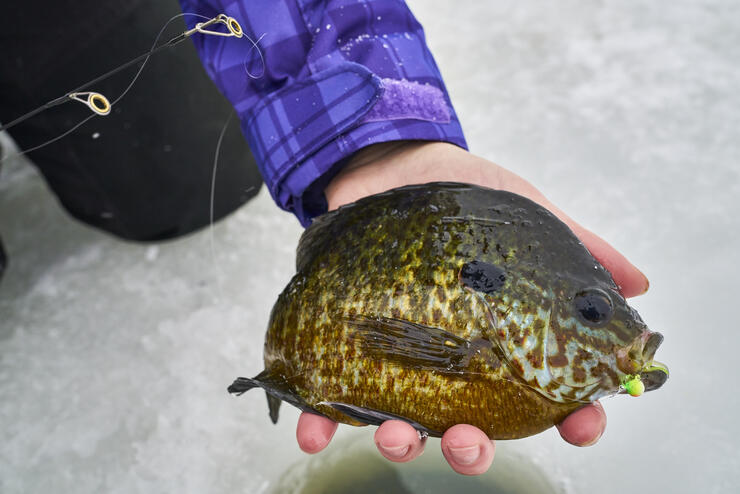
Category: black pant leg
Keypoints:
(144, 171)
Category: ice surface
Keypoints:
(114, 357)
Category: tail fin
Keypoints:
(276, 388)
(242, 385)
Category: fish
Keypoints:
(447, 303)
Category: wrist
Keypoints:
(388, 165)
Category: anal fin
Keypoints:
(273, 402)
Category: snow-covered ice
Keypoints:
(114, 357)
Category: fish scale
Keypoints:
(448, 303)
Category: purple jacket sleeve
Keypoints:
(335, 76)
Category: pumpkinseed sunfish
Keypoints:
(449, 303)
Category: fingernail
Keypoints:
(594, 440)
(394, 451)
(591, 442)
(647, 285)
(465, 456)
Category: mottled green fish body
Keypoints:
(448, 303)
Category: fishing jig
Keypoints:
(98, 103)
(633, 385)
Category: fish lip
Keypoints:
(636, 361)
(651, 346)
(654, 377)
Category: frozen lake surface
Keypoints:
(114, 357)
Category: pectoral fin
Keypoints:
(411, 344)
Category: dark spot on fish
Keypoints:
(441, 294)
(482, 276)
(602, 370)
(517, 365)
(436, 315)
(535, 358)
(559, 360)
(579, 375)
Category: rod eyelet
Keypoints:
(98, 103)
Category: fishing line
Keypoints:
(52, 140)
(211, 235)
(100, 105)
(211, 227)
(259, 52)
(151, 52)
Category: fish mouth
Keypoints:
(639, 353)
(638, 364)
(652, 376)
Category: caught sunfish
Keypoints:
(444, 304)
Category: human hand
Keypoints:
(386, 166)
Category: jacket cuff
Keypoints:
(300, 151)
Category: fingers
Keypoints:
(467, 449)
(314, 432)
(585, 426)
(398, 441)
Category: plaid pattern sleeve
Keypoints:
(330, 77)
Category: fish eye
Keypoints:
(593, 306)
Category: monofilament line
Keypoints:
(212, 202)
(63, 99)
